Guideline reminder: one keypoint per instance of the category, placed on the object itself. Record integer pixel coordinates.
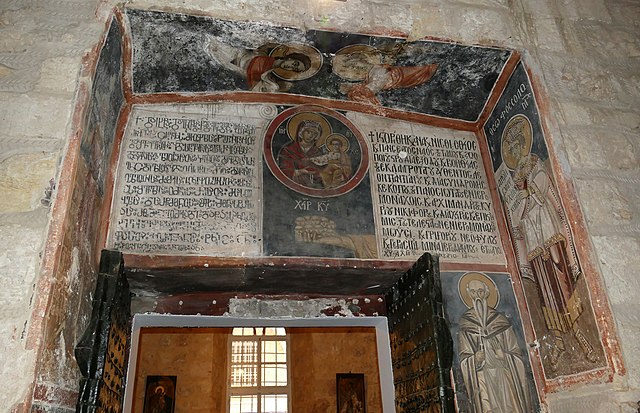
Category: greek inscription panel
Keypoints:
(430, 193)
(189, 180)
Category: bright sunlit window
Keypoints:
(258, 379)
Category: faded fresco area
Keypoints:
(491, 362)
(179, 53)
(549, 266)
(102, 115)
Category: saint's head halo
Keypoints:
(285, 50)
(297, 119)
(494, 295)
(354, 62)
(517, 140)
(344, 142)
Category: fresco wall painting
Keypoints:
(491, 363)
(333, 180)
(551, 273)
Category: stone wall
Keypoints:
(585, 54)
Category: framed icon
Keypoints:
(350, 393)
(160, 394)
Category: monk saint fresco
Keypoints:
(491, 361)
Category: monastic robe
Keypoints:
(498, 384)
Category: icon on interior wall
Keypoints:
(270, 68)
(369, 70)
(544, 243)
(160, 394)
(491, 361)
(316, 151)
(350, 393)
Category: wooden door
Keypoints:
(103, 349)
(421, 344)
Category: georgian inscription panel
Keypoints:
(189, 181)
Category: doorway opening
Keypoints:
(411, 366)
(195, 351)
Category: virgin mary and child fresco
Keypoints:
(315, 160)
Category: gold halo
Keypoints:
(341, 138)
(517, 124)
(311, 52)
(159, 388)
(494, 294)
(368, 55)
(294, 121)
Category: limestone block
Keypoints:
(580, 79)
(603, 401)
(619, 256)
(23, 179)
(573, 113)
(616, 118)
(483, 3)
(616, 210)
(348, 16)
(625, 13)
(547, 34)
(473, 25)
(429, 20)
(604, 42)
(59, 75)
(392, 16)
(35, 115)
(584, 9)
(21, 237)
(628, 321)
(595, 148)
(541, 8)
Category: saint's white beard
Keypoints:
(480, 306)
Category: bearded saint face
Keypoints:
(479, 292)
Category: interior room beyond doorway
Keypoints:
(193, 355)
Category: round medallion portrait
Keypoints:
(316, 151)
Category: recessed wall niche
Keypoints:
(252, 145)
